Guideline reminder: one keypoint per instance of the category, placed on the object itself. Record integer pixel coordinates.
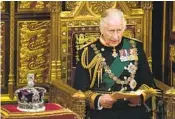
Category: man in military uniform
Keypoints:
(114, 63)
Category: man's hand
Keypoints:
(106, 101)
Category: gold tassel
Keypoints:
(90, 74)
(95, 74)
(98, 73)
(101, 73)
(148, 91)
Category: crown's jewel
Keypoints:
(30, 98)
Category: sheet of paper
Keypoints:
(121, 95)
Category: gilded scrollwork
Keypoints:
(70, 6)
(84, 12)
(82, 39)
(147, 5)
(2, 38)
(65, 99)
(39, 5)
(98, 7)
(134, 4)
(36, 6)
(55, 7)
(34, 51)
(82, 23)
(134, 27)
(172, 53)
(2, 5)
(129, 33)
(24, 4)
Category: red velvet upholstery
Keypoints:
(53, 111)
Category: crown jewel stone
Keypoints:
(30, 98)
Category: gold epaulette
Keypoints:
(133, 39)
(88, 44)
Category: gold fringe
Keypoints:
(101, 73)
(90, 73)
(95, 74)
(148, 92)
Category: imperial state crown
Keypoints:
(30, 98)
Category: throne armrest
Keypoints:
(68, 97)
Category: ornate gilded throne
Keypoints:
(77, 26)
(44, 40)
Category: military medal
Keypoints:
(132, 84)
(133, 54)
(131, 68)
(125, 55)
(114, 54)
(128, 54)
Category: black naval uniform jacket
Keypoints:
(120, 109)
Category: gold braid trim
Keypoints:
(90, 96)
(94, 63)
(95, 74)
(85, 63)
(133, 38)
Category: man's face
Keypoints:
(112, 32)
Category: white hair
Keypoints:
(112, 12)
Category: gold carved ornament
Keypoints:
(2, 36)
(93, 6)
(84, 39)
(34, 50)
(2, 6)
(172, 53)
(36, 6)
